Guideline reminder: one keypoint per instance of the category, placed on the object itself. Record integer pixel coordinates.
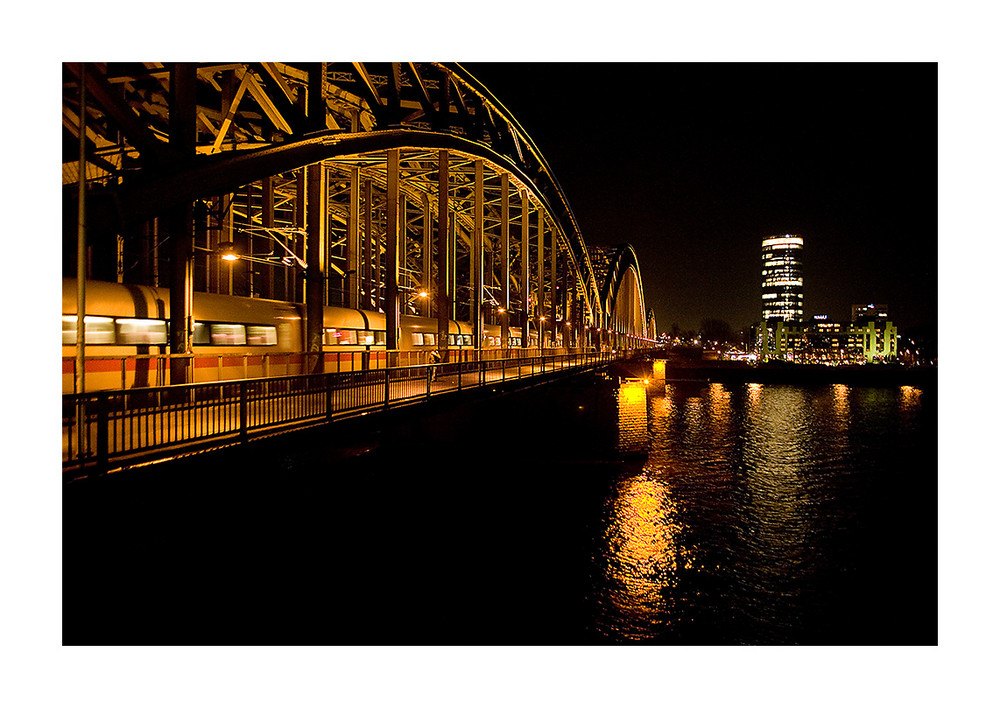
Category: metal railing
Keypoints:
(102, 429)
(125, 371)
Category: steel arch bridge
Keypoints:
(382, 180)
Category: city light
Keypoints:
(228, 252)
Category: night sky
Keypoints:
(694, 164)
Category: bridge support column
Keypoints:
(316, 261)
(553, 279)
(183, 81)
(476, 258)
(353, 226)
(391, 302)
(369, 244)
(426, 258)
(443, 256)
(267, 221)
(505, 261)
(525, 280)
(540, 279)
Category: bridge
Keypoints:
(403, 193)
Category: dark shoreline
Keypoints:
(804, 374)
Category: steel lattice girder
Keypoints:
(256, 120)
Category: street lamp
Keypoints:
(228, 251)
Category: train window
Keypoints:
(228, 334)
(262, 335)
(132, 331)
(97, 330)
(366, 336)
(380, 337)
(429, 339)
(418, 339)
(348, 336)
(200, 333)
(467, 340)
(451, 340)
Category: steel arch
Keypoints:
(249, 120)
(621, 264)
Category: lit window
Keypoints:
(228, 334)
(97, 330)
(133, 331)
(262, 336)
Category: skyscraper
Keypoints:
(782, 278)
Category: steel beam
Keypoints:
(426, 257)
(135, 131)
(353, 241)
(525, 280)
(553, 279)
(368, 242)
(391, 302)
(476, 258)
(317, 253)
(443, 255)
(267, 221)
(79, 371)
(183, 131)
(505, 260)
(540, 279)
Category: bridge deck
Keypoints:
(113, 429)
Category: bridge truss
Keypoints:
(363, 185)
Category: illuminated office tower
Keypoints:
(782, 278)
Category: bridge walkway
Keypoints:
(108, 430)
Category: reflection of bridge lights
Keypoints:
(909, 396)
(631, 393)
(643, 557)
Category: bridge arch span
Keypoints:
(386, 179)
(622, 297)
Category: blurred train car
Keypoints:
(127, 336)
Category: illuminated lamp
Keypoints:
(227, 251)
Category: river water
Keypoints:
(756, 514)
(774, 514)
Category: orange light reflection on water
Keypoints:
(643, 558)
(909, 396)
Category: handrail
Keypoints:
(158, 368)
(120, 425)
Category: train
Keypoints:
(127, 337)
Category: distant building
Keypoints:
(781, 278)
(784, 335)
(864, 313)
(824, 342)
